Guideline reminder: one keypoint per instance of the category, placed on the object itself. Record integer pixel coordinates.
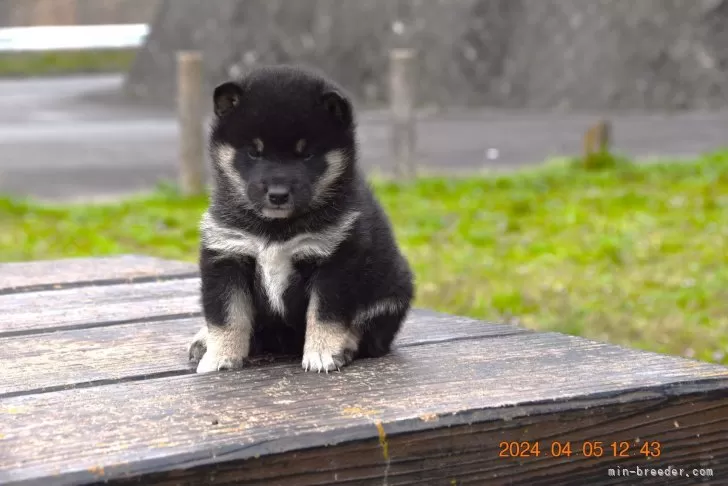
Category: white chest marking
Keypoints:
(275, 260)
(276, 266)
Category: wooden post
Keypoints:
(190, 113)
(402, 101)
(598, 138)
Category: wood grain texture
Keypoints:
(194, 421)
(76, 272)
(85, 357)
(470, 454)
(35, 312)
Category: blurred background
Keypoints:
(575, 151)
(501, 83)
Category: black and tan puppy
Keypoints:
(297, 256)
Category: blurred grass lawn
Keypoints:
(46, 63)
(632, 254)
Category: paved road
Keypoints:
(56, 144)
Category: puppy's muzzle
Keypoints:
(278, 196)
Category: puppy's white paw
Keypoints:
(325, 361)
(211, 362)
(313, 361)
(197, 348)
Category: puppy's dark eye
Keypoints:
(254, 153)
(307, 156)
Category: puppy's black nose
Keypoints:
(278, 195)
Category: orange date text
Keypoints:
(587, 448)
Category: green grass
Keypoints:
(631, 254)
(65, 62)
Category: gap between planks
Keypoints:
(157, 347)
(39, 275)
(95, 283)
(94, 306)
(473, 384)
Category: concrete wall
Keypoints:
(16, 13)
(543, 54)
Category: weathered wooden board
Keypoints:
(193, 421)
(34, 312)
(78, 346)
(77, 272)
(85, 357)
(471, 453)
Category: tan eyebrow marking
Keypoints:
(300, 145)
(258, 144)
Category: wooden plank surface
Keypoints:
(96, 386)
(76, 272)
(74, 308)
(196, 420)
(84, 357)
(471, 453)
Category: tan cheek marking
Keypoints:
(300, 146)
(259, 146)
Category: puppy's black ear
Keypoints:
(338, 106)
(226, 97)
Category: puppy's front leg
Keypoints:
(330, 342)
(229, 313)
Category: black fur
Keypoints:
(281, 106)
